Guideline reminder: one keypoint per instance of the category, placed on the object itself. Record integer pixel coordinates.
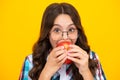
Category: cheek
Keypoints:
(53, 42)
(74, 40)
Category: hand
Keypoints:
(79, 57)
(55, 60)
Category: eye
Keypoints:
(72, 30)
(56, 30)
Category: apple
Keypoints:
(66, 46)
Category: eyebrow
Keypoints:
(61, 26)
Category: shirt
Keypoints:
(61, 73)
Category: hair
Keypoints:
(43, 45)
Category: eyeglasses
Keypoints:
(57, 33)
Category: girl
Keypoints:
(61, 22)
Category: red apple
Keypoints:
(66, 46)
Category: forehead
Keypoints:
(63, 20)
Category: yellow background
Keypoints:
(20, 25)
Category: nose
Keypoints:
(65, 35)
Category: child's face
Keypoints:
(63, 30)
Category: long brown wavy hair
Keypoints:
(42, 46)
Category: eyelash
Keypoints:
(56, 30)
(59, 30)
(71, 29)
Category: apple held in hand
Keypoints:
(66, 46)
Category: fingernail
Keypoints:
(70, 45)
(62, 47)
(68, 53)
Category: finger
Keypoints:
(61, 57)
(74, 50)
(58, 48)
(76, 55)
(62, 61)
(77, 47)
(74, 46)
(55, 50)
(60, 52)
(76, 60)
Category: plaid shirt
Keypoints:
(28, 66)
